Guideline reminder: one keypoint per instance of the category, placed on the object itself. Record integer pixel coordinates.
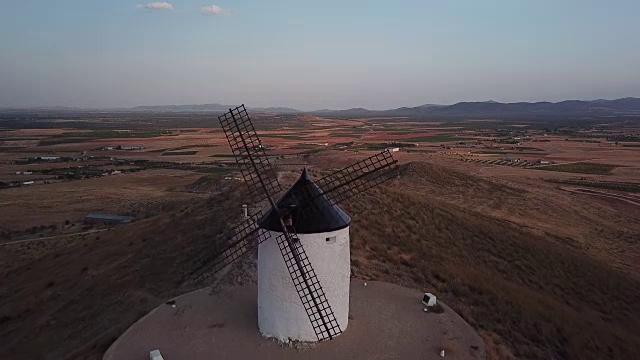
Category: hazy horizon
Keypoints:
(279, 106)
(336, 55)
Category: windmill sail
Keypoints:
(360, 176)
(241, 239)
(262, 182)
(307, 285)
(249, 153)
(348, 182)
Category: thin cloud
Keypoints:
(156, 6)
(214, 10)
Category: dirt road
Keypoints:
(626, 198)
(52, 237)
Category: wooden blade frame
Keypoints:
(261, 180)
(249, 153)
(340, 185)
(241, 239)
(306, 282)
(360, 176)
(348, 182)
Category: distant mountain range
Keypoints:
(211, 107)
(573, 108)
(486, 109)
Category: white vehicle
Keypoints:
(429, 299)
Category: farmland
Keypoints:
(581, 168)
(491, 215)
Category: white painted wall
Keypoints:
(280, 311)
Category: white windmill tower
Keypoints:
(296, 300)
(325, 238)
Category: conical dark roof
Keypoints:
(325, 218)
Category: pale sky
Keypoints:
(316, 54)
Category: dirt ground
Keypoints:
(222, 323)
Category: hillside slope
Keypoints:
(528, 295)
(70, 299)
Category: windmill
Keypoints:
(292, 303)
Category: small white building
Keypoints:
(325, 239)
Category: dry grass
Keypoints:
(72, 300)
(528, 296)
(523, 292)
(135, 193)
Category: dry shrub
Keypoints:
(535, 298)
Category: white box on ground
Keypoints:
(429, 299)
(155, 355)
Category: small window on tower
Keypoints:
(331, 240)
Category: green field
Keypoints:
(215, 170)
(19, 138)
(223, 155)
(74, 137)
(434, 138)
(283, 136)
(580, 168)
(420, 151)
(48, 142)
(585, 141)
(114, 134)
(304, 146)
(611, 185)
(490, 152)
(345, 135)
(178, 153)
(381, 146)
